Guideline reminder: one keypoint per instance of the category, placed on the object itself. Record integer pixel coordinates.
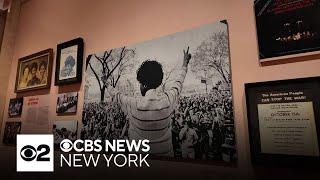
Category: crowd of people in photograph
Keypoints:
(63, 133)
(104, 121)
(15, 108)
(65, 102)
(202, 125)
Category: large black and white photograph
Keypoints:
(15, 107)
(64, 129)
(174, 91)
(67, 103)
(10, 132)
(287, 27)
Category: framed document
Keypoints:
(287, 29)
(69, 62)
(284, 121)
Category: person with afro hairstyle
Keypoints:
(34, 79)
(150, 114)
(68, 70)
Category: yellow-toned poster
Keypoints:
(288, 128)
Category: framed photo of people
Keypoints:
(287, 28)
(67, 103)
(284, 121)
(34, 71)
(15, 107)
(174, 91)
(69, 62)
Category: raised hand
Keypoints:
(186, 57)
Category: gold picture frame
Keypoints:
(34, 71)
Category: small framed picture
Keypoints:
(10, 132)
(34, 71)
(287, 31)
(69, 62)
(67, 103)
(15, 107)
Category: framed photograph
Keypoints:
(284, 121)
(64, 130)
(287, 28)
(15, 107)
(69, 62)
(10, 132)
(67, 103)
(34, 71)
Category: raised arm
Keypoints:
(123, 101)
(174, 87)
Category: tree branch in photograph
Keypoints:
(212, 56)
(113, 64)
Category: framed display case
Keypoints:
(283, 119)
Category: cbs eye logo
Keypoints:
(29, 153)
(66, 145)
(34, 153)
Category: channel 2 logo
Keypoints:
(34, 153)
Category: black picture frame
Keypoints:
(79, 61)
(311, 88)
(287, 28)
(70, 106)
(15, 107)
(12, 128)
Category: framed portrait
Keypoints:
(287, 29)
(284, 121)
(34, 71)
(67, 103)
(69, 62)
(15, 107)
(10, 132)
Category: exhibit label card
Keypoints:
(36, 115)
(288, 128)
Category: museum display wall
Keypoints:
(107, 24)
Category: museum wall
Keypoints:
(7, 50)
(105, 24)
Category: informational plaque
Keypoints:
(36, 119)
(284, 119)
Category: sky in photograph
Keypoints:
(167, 50)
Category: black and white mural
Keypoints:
(174, 91)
